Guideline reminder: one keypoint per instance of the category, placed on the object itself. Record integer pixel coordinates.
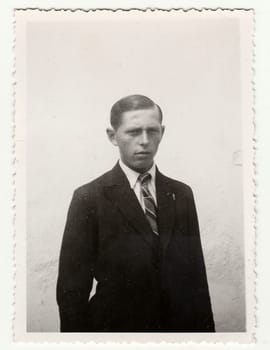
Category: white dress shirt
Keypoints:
(135, 184)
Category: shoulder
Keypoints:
(92, 189)
(178, 186)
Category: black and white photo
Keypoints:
(134, 202)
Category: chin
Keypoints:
(142, 167)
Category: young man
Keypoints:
(136, 232)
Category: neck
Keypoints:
(138, 170)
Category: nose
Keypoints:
(144, 140)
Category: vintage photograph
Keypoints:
(134, 164)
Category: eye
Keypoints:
(134, 132)
(153, 131)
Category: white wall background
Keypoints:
(75, 71)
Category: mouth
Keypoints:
(143, 153)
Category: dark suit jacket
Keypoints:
(144, 282)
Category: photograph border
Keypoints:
(249, 207)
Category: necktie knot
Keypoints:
(144, 178)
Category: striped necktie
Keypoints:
(149, 203)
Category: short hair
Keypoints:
(131, 103)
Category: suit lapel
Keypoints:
(118, 191)
(166, 209)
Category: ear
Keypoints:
(111, 135)
(162, 130)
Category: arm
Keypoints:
(76, 265)
(202, 303)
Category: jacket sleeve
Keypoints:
(202, 303)
(76, 265)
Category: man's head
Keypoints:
(137, 130)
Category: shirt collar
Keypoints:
(133, 175)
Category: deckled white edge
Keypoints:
(19, 324)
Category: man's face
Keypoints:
(138, 137)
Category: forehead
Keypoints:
(141, 117)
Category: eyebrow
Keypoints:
(134, 129)
(139, 128)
